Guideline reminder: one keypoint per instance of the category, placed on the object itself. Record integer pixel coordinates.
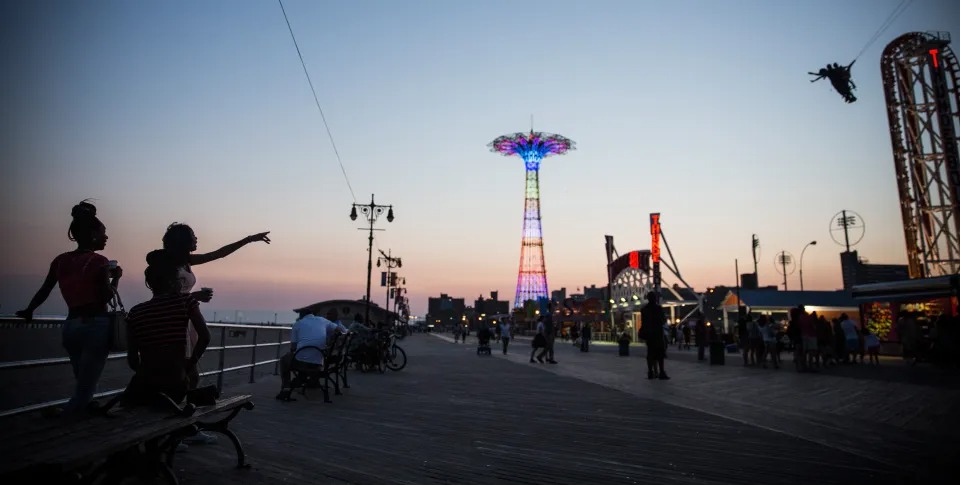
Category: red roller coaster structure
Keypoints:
(920, 75)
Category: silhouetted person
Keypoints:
(840, 79)
(652, 319)
(87, 283)
(158, 333)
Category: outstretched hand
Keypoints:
(25, 314)
(259, 237)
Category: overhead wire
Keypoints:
(317, 101)
(901, 7)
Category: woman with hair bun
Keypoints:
(180, 242)
(87, 282)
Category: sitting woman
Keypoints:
(157, 333)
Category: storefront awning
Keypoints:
(915, 289)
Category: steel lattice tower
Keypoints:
(532, 147)
(920, 76)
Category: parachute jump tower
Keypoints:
(532, 147)
(920, 75)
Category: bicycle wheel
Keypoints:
(397, 358)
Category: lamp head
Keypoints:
(353, 213)
(390, 214)
(813, 243)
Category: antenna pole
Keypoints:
(846, 236)
(783, 263)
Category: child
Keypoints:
(872, 343)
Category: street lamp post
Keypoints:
(371, 211)
(811, 243)
(392, 263)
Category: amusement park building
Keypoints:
(348, 310)
(778, 304)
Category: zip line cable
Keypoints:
(902, 7)
(317, 101)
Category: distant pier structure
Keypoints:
(920, 75)
(532, 148)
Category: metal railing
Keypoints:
(222, 348)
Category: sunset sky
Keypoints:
(199, 112)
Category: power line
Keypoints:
(317, 101)
(902, 7)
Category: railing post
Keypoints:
(223, 343)
(276, 365)
(253, 356)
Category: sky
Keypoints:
(199, 112)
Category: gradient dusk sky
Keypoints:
(200, 112)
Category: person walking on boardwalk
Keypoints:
(652, 320)
(88, 281)
(700, 338)
(852, 336)
(585, 335)
(539, 343)
(180, 242)
(768, 332)
(743, 338)
(158, 333)
(504, 328)
(549, 335)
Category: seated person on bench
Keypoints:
(157, 333)
(310, 330)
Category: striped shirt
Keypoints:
(161, 321)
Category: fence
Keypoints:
(236, 331)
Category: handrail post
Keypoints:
(253, 356)
(223, 343)
(276, 365)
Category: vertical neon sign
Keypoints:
(933, 54)
(655, 251)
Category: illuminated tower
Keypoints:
(920, 81)
(532, 148)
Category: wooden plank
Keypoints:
(453, 417)
(93, 439)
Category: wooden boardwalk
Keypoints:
(454, 417)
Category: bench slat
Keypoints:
(93, 439)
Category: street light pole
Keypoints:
(371, 211)
(811, 243)
(392, 263)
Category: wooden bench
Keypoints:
(126, 442)
(330, 372)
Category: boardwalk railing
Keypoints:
(222, 348)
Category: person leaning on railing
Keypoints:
(87, 283)
(157, 334)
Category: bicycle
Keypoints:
(391, 356)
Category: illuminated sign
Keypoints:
(639, 260)
(655, 236)
(933, 54)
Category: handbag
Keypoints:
(118, 324)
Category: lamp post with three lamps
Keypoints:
(390, 280)
(371, 211)
(811, 243)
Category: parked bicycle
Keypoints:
(391, 355)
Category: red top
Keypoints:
(80, 277)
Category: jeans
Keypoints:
(87, 341)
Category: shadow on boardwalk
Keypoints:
(454, 417)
